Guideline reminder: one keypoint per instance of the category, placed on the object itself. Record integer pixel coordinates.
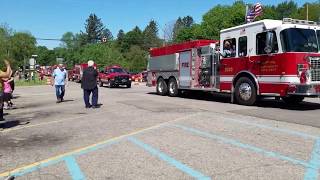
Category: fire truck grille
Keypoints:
(315, 68)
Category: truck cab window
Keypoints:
(229, 48)
(261, 43)
(243, 46)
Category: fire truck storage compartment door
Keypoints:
(164, 63)
(185, 69)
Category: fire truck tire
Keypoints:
(245, 92)
(173, 88)
(162, 87)
(292, 100)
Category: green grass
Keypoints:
(36, 82)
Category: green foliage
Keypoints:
(68, 40)
(287, 9)
(221, 17)
(150, 36)
(181, 23)
(94, 29)
(45, 56)
(23, 45)
(314, 11)
(107, 34)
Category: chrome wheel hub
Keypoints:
(245, 91)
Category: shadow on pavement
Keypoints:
(263, 102)
(11, 124)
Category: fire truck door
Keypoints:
(185, 69)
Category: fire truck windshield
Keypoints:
(299, 40)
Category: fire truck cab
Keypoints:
(264, 58)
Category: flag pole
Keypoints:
(245, 16)
(307, 12)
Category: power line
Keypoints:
(48, 39)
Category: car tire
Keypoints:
(129, 85)
(173, 88)
(292, 100)
(162, 87)
(245, 92)
(100, 83)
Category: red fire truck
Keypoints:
(264, 58)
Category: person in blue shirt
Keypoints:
(59, 76)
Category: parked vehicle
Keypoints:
(71, 75)
(114, 76)
(78, 71)
(264, 58)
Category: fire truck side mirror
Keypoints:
(269, 42)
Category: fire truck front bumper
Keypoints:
(304, 89)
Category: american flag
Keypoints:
(254, 12)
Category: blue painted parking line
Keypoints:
(246, 146)
(169, 160)
(74, 168)
(313, 173)
(287, 131)
(64, 157)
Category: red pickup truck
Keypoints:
(114, 76)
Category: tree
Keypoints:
(136, 59)
(287, 9)
(134, 37)
(215, 19)
(177, 27)
(107, 34)
(68, 40)
(94, 29)
(314, 11)
(5, 33)
(187, 21)
(120, 35)
(45, 57)
(182, 23)
(150, 34)
(23, 46)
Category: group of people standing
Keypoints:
(88, 84)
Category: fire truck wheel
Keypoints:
(173, 87)
(245, 92)
(162, 87)
(291, 100)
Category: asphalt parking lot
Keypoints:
(139, 135)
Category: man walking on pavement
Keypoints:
(89, 85)
(59, 76)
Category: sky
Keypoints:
(52, 18)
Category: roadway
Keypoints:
(137, 134)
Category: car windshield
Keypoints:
(116, 70)
(299, 40)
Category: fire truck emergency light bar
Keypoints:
(297, 21)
